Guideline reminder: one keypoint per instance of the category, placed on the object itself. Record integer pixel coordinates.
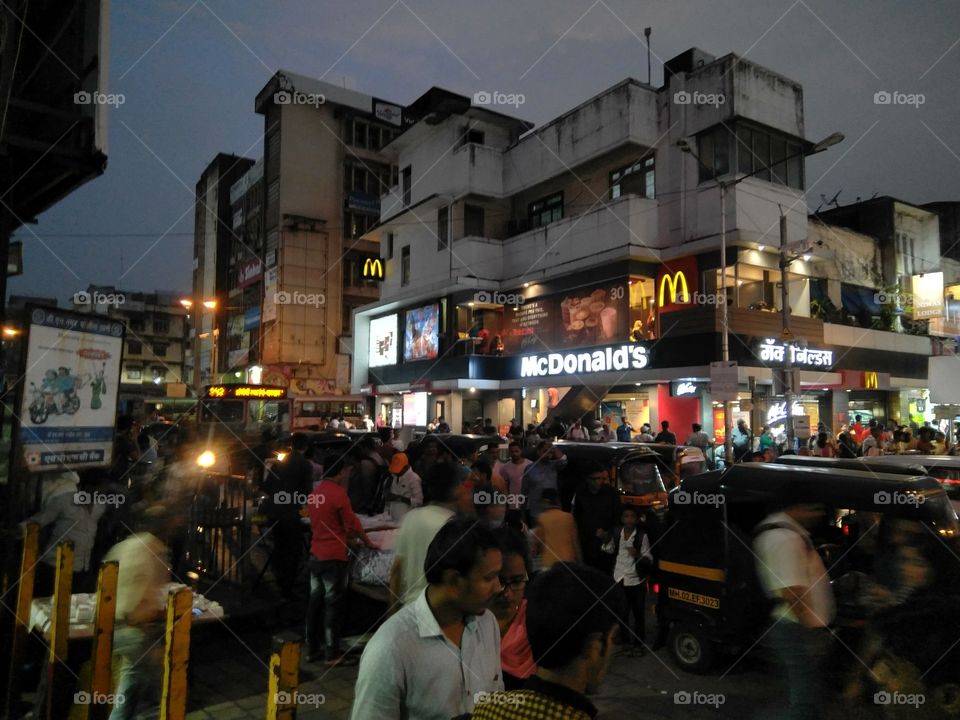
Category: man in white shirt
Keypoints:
(417, 530)
(578, 432)
(432, 659)
(792, 575)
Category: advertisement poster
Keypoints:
(531, 326)
(70, 389)
(383, 341)
(421, 340)
(594, 316)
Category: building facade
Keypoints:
(576, 267)
(293, 272)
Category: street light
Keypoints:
(684, 146)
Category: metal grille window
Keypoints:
(769, 156)
(546, 210)
(643, 183)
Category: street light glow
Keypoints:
(210, 304)
(187, 303)
(10, 331)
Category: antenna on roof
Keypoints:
(646, 34)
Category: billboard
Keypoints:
(70, 389)
(421, 338)
(383, 341)
(927, 296)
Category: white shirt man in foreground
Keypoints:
(432, 659)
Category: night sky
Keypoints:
(189, 72)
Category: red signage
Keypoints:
(248, 272)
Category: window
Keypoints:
(161, 325)
(138, 323)
(357, 224)
(475, 136)
(407, 178)
(642, 180)
(389, 255)
(134, 347)
(713, 149)
(769, 156)
(134, 373)
(160, 349)
(473, 220)
(443, 228)
(159, 373)
(359, 133)
(546, 210)
(405, 265)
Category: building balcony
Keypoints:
(627, 226)
(741, 321)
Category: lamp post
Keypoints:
(684, 146)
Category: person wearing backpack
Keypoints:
(795, 581)
(631, 548)
(367, 486)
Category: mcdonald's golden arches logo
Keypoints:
(870, 380)
(373, 269)
(677, 280)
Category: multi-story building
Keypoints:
(290, 270)
(533, 273)
(213, 243)
(155, 347)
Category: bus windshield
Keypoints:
(221, 411)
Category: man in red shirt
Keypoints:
(334, 526)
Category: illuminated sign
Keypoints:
(383, 341)
(772, 351)
(257, 392)
(684, 388)
(778, 412)
(870, 380)
(373, 269)
(677, 280)
(613, 357)
(927, 296)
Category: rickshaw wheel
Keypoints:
(691, 648)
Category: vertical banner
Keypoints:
(70, 388)
(927, 296)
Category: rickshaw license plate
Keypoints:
(693, 598)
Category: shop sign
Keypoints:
(676, 284)
(685, 389)
(388, 112)
(366, 202)
(927, 296)
(372, 269)
(251, 319)
(778, 412)
(724, 380)
(249, 272)
(773, 351)
(865, 379)
(801, 427)
(610, 358)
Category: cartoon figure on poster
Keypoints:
(421, 339)
(60, 389)
(97, 388)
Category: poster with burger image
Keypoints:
(70, 389)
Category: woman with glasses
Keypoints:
(510, 609)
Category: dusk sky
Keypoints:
(189, 72)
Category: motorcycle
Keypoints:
(44, 402)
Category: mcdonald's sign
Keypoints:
(676, 281)
(870, 380)
(372, 269)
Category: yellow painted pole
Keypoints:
(176, 654)
(28, 564)
(59, 622)
(284, 681)
(101, 672)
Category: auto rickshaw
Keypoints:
(679, 461)
(635, 471)
(709, 598)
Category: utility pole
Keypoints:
(787, 334)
